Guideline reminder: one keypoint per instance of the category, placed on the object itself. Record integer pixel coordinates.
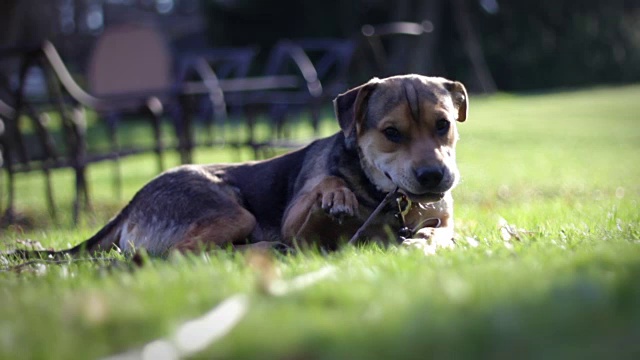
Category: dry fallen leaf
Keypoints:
(198, 334)
(267, 273)
(195, 335)
(31, 244)
(95, 308)
(472, 241)
(281, 287)
(510, 231)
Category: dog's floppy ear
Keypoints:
(350, 108)
(460, 98)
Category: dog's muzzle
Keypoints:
(430, 176)
(434, 179)
(432, 184)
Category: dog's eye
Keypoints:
(392, 134)
(442, 126)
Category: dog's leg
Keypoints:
(234, 225)
(310, 213)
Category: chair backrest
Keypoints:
(323, 63)
(288, 58)
(6, 112)
(332, 59)
(129, 59)
(226, 63)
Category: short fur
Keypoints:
(316, 195)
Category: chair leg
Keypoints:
(284, 132)
(183, 129)
(40, 122)
(80, 163)
(9, 148)
(10, 211)
(82, 194)
(251, 127)
(85, 190)
(50, 199)
(315, 119)
(278, 119)
(208, 120)
(1, 178)
(112, 126)
(74, 124)
(79, 192)
(157, 134)
(76, 200)
(155, 109)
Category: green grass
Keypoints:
(563, 166)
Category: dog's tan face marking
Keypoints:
(407, 135)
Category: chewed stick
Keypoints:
(390, 196)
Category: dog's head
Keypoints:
(404, 128)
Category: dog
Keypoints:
(396, 134)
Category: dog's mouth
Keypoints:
(425, 197)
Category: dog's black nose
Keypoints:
(429, 176)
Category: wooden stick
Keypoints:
(389, 197)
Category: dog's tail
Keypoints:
(104, 240)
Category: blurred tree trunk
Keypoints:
(26, 22)
(8, 22)
(408, 52)
(425, 61)
(471, 43)
(400, 46)
(9, 31)
(23, 23)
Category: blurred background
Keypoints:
(87, 81)
(576, 42)
(99, 96)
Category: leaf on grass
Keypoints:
(91, 307)
(472, 241)
(280, 287)
(455, 288)
(159, 349)
(263, 264)
(30, 267)
(270, 280)
(510, 231)
(30, 244)
(200, 333)
(197, 334)
(194, 335)
(95, 308)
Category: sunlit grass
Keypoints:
(563, 167)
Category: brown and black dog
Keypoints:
(396, 133)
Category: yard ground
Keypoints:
(562, 167)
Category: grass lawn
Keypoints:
(562, 166)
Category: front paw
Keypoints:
(339, 203)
